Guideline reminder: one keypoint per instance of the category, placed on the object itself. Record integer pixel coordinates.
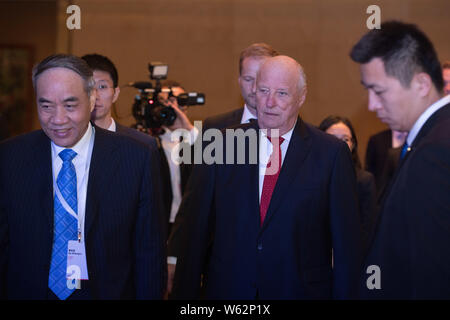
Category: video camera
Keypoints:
(148, 110)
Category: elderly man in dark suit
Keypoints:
(409, 257)
(78, 212)
(250, 61)
(276, 224)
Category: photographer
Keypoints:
(174, 174)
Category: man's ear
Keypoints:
(303, 96)
(92, 98)
(116, 94)
(422, 83)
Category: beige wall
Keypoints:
(201, 41)
(32, 24)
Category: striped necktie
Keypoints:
(65, 225)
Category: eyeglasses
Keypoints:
(102, 87)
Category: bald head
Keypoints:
(280, 92)
(286, 67)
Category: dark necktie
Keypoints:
(270, 180)
(405, 150)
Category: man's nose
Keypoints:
(374, 102)
(60, 115)
(271, 102)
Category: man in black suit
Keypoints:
(272, 238)
(409, 257)
(107, 88)
(250, 61)
(75, 186)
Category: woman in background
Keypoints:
(341, 128)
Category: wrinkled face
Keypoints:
(64, 107)
(278, 97)
(106, 95)
(247, 78)
(446, 75)
(387, 97)
(342, 132)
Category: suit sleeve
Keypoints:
(345, 226)
(3, 251)
(427, 204)
(150, 255)
(3, 235)
(190, 237)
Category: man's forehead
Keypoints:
(100, 75)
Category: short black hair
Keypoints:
(404, 49)
(102, 63)
(332, 120)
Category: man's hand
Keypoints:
(182, 121)
(170, 276)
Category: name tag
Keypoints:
(76, 261)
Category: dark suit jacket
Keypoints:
(124, 246)
(367, 204)
(157, 168)
(224, 120)
(411, 243)
(221, 121)
(376, 155)
(313, 210)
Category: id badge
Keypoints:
(76, 261)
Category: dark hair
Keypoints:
(67, 61)
(257, 50)
(404, 49)
(102, 63)
(332, 120)
(446, 65)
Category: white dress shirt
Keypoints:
(112, 127)
(169, 142)
(81, 162)
(247, 115)
(266, 149)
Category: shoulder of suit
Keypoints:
(223, 120)
(136, 135)
(26, 140)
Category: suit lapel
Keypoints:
(42, 161)
(103, 165)
(444, 112)
(298, 149)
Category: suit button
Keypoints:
(260, 246)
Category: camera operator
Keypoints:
(174, 174)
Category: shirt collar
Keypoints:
(287, 136)
(112, 127)
(81, 147)
(247, 115)
(424, 117)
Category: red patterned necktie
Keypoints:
(270, 180)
